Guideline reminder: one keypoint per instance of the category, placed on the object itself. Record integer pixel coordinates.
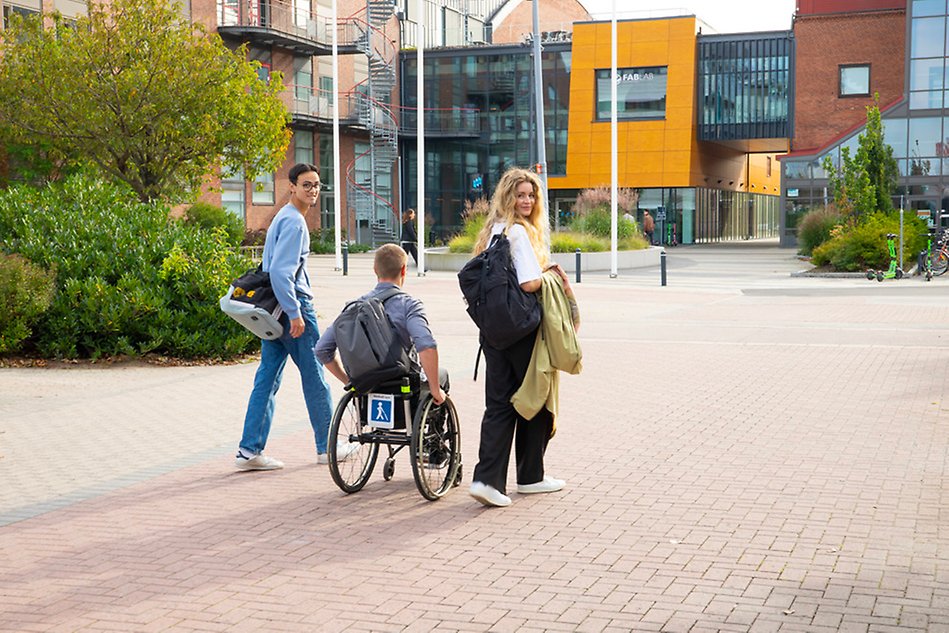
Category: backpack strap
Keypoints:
(388, 293)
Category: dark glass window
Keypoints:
(855, 80)
(640, 93)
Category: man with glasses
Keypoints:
(285, 252)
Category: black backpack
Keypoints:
(368, 345)
(496, 303)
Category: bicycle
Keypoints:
(940, 259)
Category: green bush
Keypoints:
(815, 228)
(208, 216)
(26, 292)
(857, 248)
(129, 280)
(570, 241)
(598, 221)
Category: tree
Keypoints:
(865, 182)
(143, 95)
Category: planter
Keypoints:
(441, 259)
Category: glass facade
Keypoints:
(917, 130)
(745, 86)
(496, 83)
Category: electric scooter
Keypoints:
(894, 271)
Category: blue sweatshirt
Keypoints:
(285, 251)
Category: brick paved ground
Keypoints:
(744, 451)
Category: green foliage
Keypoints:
(26, 292)
(209, 217)
(815, 228)
(598, 222)
(473, 219)
(599, 198)
(864, 184)
(129, 280)
(570, 241)
(854, 248)
(142, 95)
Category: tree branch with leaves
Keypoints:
(143, 95)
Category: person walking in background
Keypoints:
(516, 209)
(285, 251)
(649, 226)
(409, 235)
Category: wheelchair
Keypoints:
(430, 431)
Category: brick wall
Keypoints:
(552, 15)
(824, 43)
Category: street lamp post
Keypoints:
(539, 112)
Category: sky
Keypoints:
(724, 16)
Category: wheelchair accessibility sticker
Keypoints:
(382, 410)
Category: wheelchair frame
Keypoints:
(424, 439)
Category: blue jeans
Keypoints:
(273, 358)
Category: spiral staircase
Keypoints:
(370, 201)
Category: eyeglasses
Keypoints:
(310, 185)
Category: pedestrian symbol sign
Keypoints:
(381, 409)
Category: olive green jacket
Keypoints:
(555, 348)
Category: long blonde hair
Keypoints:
(504, 209)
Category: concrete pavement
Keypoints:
(744, 451)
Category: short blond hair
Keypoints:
(390, 258)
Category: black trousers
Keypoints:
(409, 248)
(501, 424)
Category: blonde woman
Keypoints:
(517, 210)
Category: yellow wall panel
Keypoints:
(648, 149)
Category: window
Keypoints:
(10, 10)
(263, 189)
(302, 78)
(232, 191)
(303, 147)
(640, 93)
(855, 80)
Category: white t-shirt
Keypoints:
(525, 261)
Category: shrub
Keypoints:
(599, 221)
(570, 241)
(815, 228)
(26, 291)
(863, 246)
(208, 216)
(600, 198)
(129, 280)
(254, 237)
(473, 219)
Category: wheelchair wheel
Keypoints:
(353, 472)
(436, 448)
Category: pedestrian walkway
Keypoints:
(744, 451)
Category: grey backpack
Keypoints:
(368, 345)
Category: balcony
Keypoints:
(311, 109)
(288, 25)
(442, 122)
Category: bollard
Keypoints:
(578, 265)
(662, 267)
(345, 259)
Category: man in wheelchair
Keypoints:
(408, 319)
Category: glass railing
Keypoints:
(318, 104)
(461, 121)
(291, 18)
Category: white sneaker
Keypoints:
(549, 484)
(344, 450)
(257, 462)
(489, 495)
